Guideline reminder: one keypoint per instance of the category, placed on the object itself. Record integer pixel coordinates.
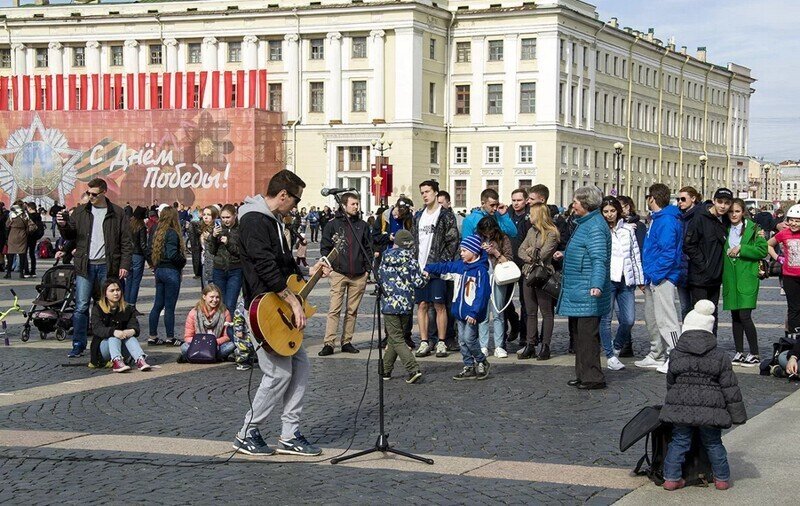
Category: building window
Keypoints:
(116, 56)
(356, 157)
(275, 50)
(159, 97)
(434, 153)
(563, 155)
(275, 96)
(586, 158)
(526, 154)
(460, 155)
(525, 183)
(196, 100)
(41, 57)
(317, 97)
(460, 193)
(78, 96)
(234, 52)
(359, 47)
(432, 98)
(233, 95)
(5, 58)
(493, 184)
(528, 49)
(359, 96)
(155, 54)
(463, 52)
(317, 49)
(495, 50)
(492, 155)
(494, 99)
(462, 99)
(432, 49)
(527, 98)
(78, 57)
(195, 54)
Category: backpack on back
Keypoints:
(46, 249)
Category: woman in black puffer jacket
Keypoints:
(702, 394)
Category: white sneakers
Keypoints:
(648, 363)
(500, 353)
(663, 368)
(615, 365)
(485, 351)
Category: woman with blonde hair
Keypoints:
(537, 249)
(168, 259)
(208, 316)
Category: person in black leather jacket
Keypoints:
(141, 254)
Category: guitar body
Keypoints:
(271, 320)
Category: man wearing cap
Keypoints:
(704, 245)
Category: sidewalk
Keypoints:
(763, 454)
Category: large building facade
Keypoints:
(472, 93)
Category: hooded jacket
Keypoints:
(477, 214)
(399, 274)
(472, 290)
(704, 244)
(351, 261)
(701, 387)
(661, 256)
(444, 246)
(266, 258)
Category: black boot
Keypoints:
(626, 351)
(544, 353)
(528, 352)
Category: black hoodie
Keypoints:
(704, 245)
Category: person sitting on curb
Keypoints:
(208, 316)
(114, 323)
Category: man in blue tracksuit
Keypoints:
(490, 206)
(661, 262)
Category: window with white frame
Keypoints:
(78, 57)
(492, 155)
(528, 49)
(525, 184)
(574, 156)
(527, 98)
(493, 184)
(586, 158)
(463, 52)
(495, 50)
(317, 49)
(275, 50)
(460, 155)
(155, 54)
(359, 49)
(275, 96)
(317, 95)
(41, 57)
(432, 49)
(359, 96)
(234, 52)
(194, 54)
(434, 153)
(460, 193)
(494, 99)
(525, 154)
(563, 155)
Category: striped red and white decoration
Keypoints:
(175, 90)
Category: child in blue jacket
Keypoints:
(470, 303)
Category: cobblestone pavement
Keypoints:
(524, 413)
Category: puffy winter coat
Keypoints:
(472, 290)
(226, 255)
(17, 239)
(586, 266)
(740, 281)
(471, 222)
(399, 274)
(704, 245)
(701, 387)
(661, 256)
(626, 261)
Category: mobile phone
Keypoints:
(218, 223)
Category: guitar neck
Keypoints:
(304, 293)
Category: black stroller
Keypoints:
(53, 307)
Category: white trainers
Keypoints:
(441, 350)
(663, 368)
(485, 351)
(615, 365)
(648, 362)
(751, 360)
(500, 353)
(738, 358)
(783, 292)
(424, 349)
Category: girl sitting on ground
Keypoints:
(114, 324)
(208, 316)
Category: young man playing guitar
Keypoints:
(267, 262)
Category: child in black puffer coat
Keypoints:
(702, 395)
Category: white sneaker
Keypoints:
(615, 365)
(664, 368)
(783, 292)
(738, 358)
(648, 362)
(424, 349)
(485, 351)
(500, 353)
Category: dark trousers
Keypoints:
(791, 285)
(743, 325)
(516, 321)
(536, 300)
(710, 293)
(585, 333)
(32, 256)
(23, 263)
(396, 325)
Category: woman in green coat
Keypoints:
(745, 246)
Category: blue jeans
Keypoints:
(498, 321)
(168, 286)
(223, 350)
(230, 284)
(682, 442)
(112, 348)
(685, 296)
(624, 296)
(468, 342)
(84, 291)
(134, 279)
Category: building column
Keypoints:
(209, 53)
(291, 90)
(477, 90)
(375, 99)
(171, 62)
(568, 86)
(590, 106)
(19, 58)
(130, 56)
(333, 93)
(408, 75)
(261, 51)
(250, 52)
(580, 98)
(510, 86)
(549, 79)
(55, 59)
(93, 57)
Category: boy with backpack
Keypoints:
(470, 303)
(399, 274)
(702, 395)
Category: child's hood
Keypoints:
(696, 342)
(394, 257)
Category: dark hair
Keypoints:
(489, 229)
(541, 190)
(345, 198)
(692, 191)
(612, 201)
(444, 194)
(740, 203)
(285, 180)
(489, 193)
(660, 194)
(99, 183)
(522, 191)
(624, 200)
(430, 182)
(230, 208)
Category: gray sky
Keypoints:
(758, 35)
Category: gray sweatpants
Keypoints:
(284, 384)
(661, 317)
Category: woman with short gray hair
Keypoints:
(590, 197)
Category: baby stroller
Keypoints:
(53, 307)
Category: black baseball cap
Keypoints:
(723, 194)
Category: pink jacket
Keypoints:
(189, 328)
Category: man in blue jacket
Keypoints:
(490, 206)
(661, 262)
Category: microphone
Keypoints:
(335, 191)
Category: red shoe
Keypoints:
(117, 365)
(674, 485)
(142, 365)
(722, 485)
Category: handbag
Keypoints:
(552, 286)
(763, 269)
(506, 273)
(202, 349)
(536, 273)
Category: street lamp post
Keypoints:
(767, 168)
(703, 160)
(618, 163)
(382, 147)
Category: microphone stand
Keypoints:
(382, 443)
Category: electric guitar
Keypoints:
(271, 318)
